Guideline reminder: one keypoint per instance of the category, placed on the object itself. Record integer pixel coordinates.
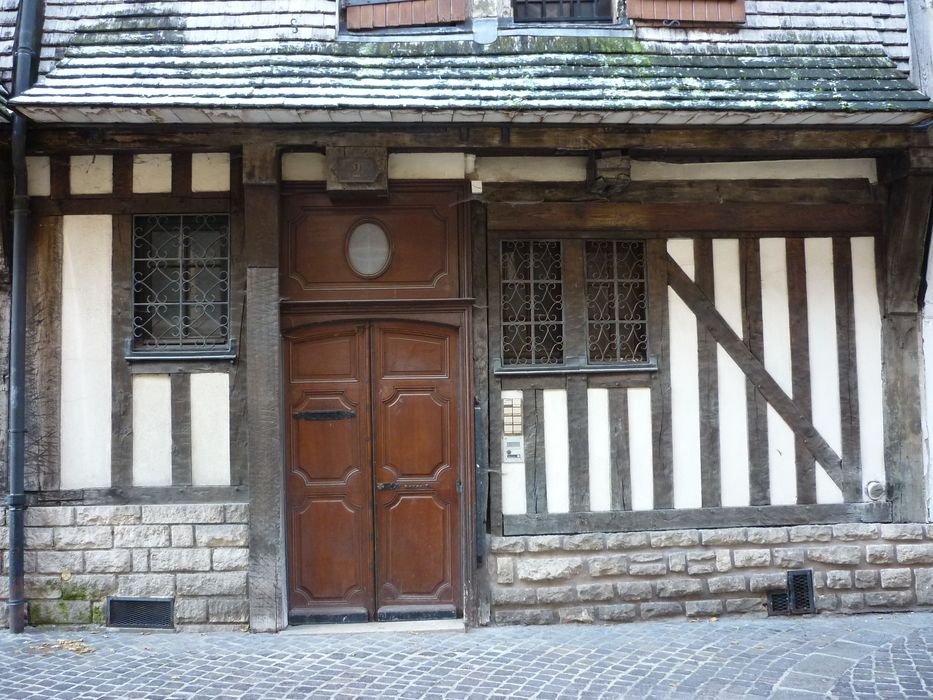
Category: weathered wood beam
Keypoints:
(693, 218)
(139, 495)
(755, 370)
(905, 242)
(644, 140)
(749, 516)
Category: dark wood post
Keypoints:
(907, 228)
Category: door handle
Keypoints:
(390, 486)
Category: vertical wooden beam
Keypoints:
(800, 362)
(490, 254)
(265, 451)
(620, 474)
(181, 429)
(753, 332)
(659, 337)
(848, 370)
(708, 383)
(262, 356)
(574, 300)
(578, 438)
(239, 466)
(906, 236)
(121, 381)
(43, 356)
(535, 471)
(181, 174)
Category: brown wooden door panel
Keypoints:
(373, 481)
(330, 474)
(416, 454)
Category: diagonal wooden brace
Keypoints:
(753, 368)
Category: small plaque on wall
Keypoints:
(357, 170)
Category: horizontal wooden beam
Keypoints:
(140, 495)
(136, 204)
(637, 140)
(739, 219)
(664, 218)
(750, 516)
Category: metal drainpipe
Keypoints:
(25, 67)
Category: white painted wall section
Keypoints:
(641, 460)
(514, 500)
(91, 174)
(818, 168)
(685, 391)
(308, 167)
(530, 169)
(86, 351)
(38, 176)
(427, 166)
(210, 429)
(775, 312)
(210, 172)
(152, 430)
(733, 407)
(152, 173)
(556, 451)
(597, 407)
(824, 357)
(867, 311)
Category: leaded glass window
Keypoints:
(181, 283)
(616, 302)
(532, 303)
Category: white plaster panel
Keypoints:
(86, 352)
(867, 311)
(819, 169)
(210, 172)
(641, 459)
(91, 174)
(530, 169)
(307, 167)
(775, 314)
(152, 173)
(427, 166)
(685, 390)
(600, 466)
(39, 176)
(733, 407)
(681, 250)
(152, 430)
(514, 500)
(824, 357)
(210, 429)
(556, 451)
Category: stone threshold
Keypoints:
(412, 626)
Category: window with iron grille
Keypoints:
(181, 284)
(616, 302)
(562, 10)
(574, 303)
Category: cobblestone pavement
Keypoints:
(885, 656)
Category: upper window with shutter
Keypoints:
(386, 14)
(687, 11)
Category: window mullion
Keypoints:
(575, 326)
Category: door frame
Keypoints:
(456, 313)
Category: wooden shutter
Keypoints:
(698, 11)
(365, 14)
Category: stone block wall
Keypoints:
(621, 577)
(76, 556)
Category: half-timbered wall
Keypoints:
(107, 422)
(765, 390)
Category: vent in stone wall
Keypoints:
(145, 613)
(798, 599)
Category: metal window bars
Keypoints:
(562, 10)
(181, 283)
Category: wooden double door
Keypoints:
(373, 492)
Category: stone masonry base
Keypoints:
(77, 556)
(621, 577)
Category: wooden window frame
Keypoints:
(366, 15)
(575, 317)
(686, 11)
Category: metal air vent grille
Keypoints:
(147, 613)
